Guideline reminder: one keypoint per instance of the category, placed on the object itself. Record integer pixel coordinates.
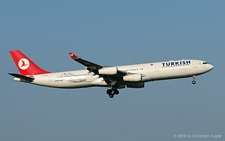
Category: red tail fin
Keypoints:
(25, 65)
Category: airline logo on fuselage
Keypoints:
(23, 64)
(176, 63)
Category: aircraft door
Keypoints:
(155, 72)
(50, 78)
(194, 68)
(195, 65)
(156, 68)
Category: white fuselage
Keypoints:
(148, 71)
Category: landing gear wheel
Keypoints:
(193, 81)
(111, 95)
(109, 91)
(116, 92)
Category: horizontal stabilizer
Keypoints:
(22, 78)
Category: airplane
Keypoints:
(113, 77)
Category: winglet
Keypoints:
(73, 56)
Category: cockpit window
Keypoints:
(205, 63)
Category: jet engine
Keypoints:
(108, 71)
(132, 77)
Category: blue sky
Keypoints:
(112, 33)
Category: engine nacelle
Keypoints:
(108, 71)
(136, 85)
(132, 77)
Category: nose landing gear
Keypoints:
(193, 81)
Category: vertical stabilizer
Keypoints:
(25, 65)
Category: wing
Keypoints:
(90, 66)
(94, 67)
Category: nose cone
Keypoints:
(210, 67)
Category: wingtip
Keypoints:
(73, 56)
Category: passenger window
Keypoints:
(205, 63)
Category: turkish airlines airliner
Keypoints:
(113, 77)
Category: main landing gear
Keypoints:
(112, 91)
(193, 81)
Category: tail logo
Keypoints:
(23, 64)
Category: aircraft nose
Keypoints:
(211, 67)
